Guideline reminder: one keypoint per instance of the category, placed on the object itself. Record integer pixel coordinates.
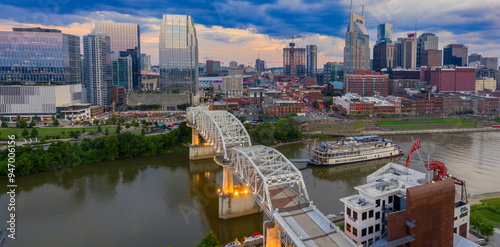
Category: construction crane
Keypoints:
(291, 58)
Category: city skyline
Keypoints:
(224, 29)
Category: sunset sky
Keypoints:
(240, 30)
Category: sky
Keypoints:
(244, 30)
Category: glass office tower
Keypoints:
(178, 54)
(97, 68)
(125, 37)
(37, 55)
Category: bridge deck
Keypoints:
(303, 220)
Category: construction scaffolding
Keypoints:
(294, 61)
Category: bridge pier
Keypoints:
(233, 204)
(197, 151)
(272, 234)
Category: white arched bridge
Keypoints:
(273, 181)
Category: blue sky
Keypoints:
(239, 30)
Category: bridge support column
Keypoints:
(233, 204)
(195, 139)
(272, 234)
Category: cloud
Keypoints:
(230, 29)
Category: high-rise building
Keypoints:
(431, 58)
(333, 72)
(426, 41)
(233, 64)
(125, 37)
(357, 49)
(407, 51)
(490, 62)
(455, 54)
(448, 80)
(367, 84)
(178, 54)
(384, 33)
(260, 65)
(384, 56)
(37, 55)
(145, 62)
(97, 77)
(213, 68)
(122, 72)
(312, 59)
(294, 61)
(474, 57)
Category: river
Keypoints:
(169, 200)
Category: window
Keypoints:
(354, 231)
(355, 215)
(363, 216)
(363, 232)
(378, 202)
(377, 227)
(370, 214)
(349, 211)
(364, 243)
(377, 215)
(348, 227)
(370, 230)
(390, 199)
(455, 230)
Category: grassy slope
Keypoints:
(53, 131)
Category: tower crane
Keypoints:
(292, 50)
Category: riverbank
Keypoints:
(403, 132)
(476, 199)
(60, 154)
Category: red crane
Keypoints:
(440, 171)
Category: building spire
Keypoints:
(363, 9)
(350, 27)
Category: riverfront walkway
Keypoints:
(428, 131)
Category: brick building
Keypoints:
(367, 83)
(281, 108)
(450, 79)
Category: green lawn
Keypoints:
(352, 126)
(425, 123)
(491, 211)
(52, 131)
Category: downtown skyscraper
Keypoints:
(178, 54)
(97, 76)
(39, 55)
(357, 49)
(125, 41)
(312, 59)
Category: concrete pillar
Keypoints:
(272, 235)
(199, 152)
(195, 137)
(233, 206)
(227, 181)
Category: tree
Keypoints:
(242, 119)
(209, 241)
(99, 130)
(127, 125)
(143, 132)
(4, 123)
(264, 132)
(23, 124)
(134, 122)
(230, 111)
(43, 140)
(56, 123)
(487, 229)
(118, 128)
(113, 120)
(83, 130)
(96, 121)
(106, 131)
(25, 133)
(164, 126)
(122, 120)
(34, 132)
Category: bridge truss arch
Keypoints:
(263, 168)
(221, 129)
